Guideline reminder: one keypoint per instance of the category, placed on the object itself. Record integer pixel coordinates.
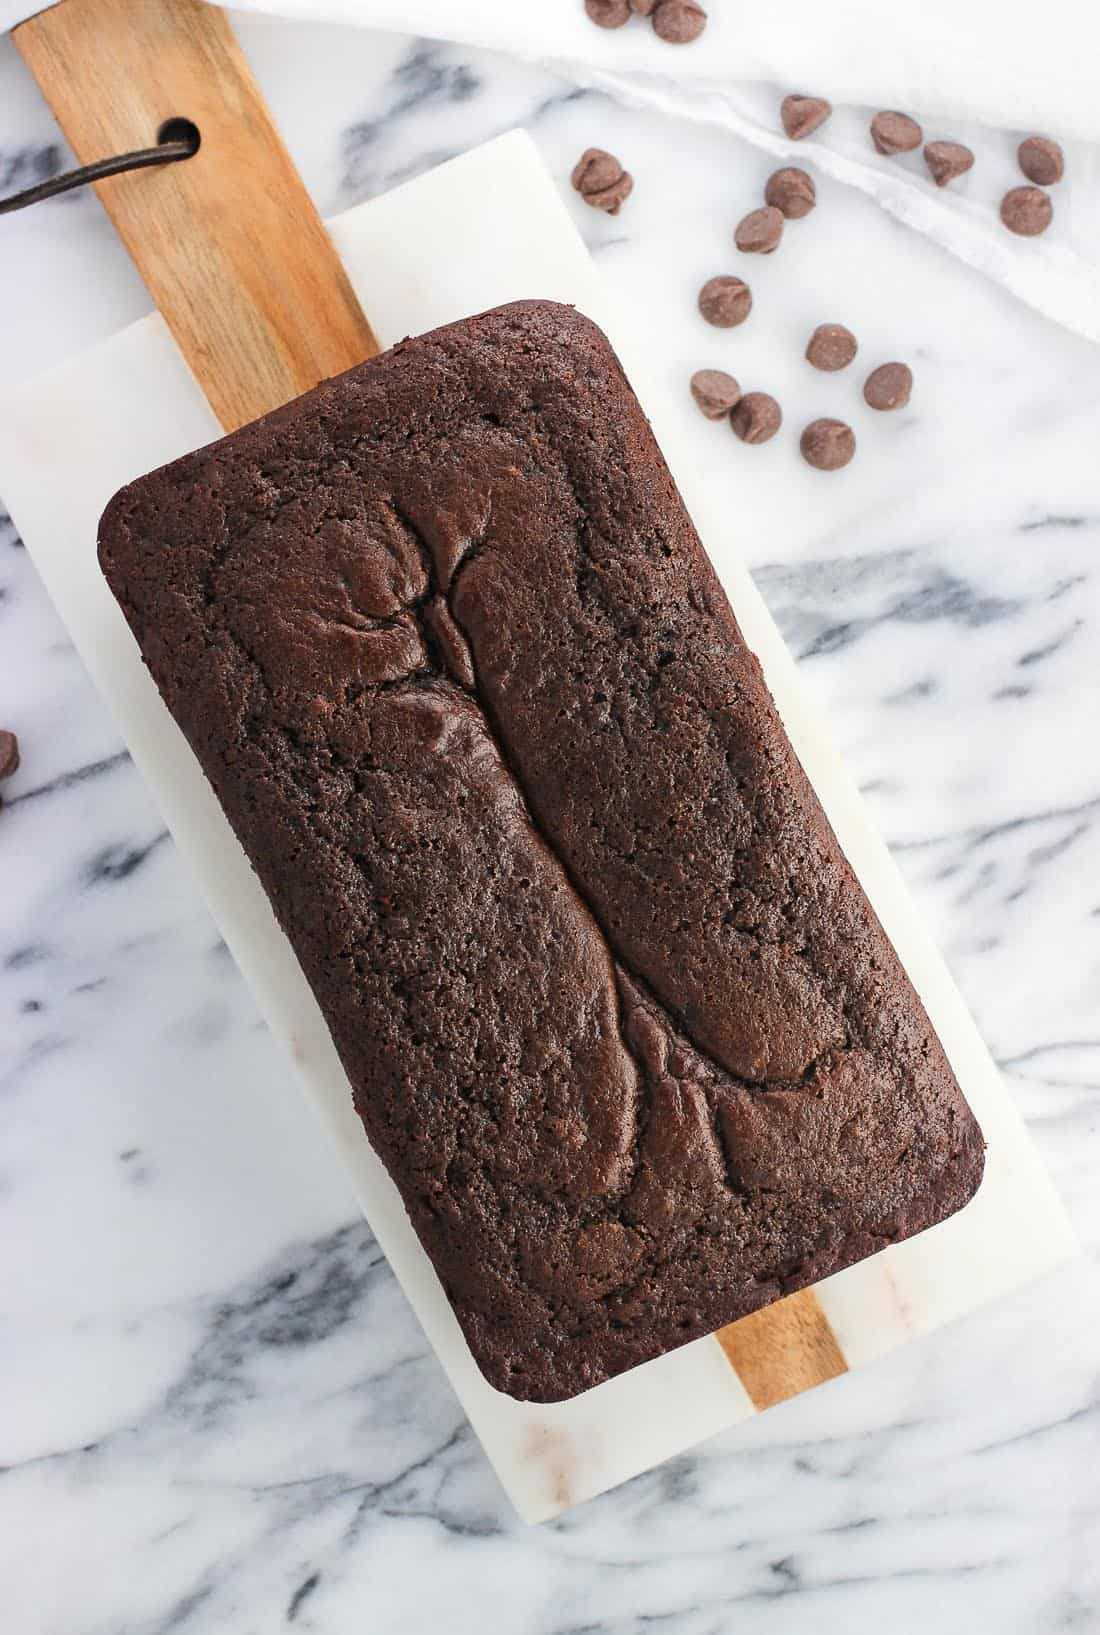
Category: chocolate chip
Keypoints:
(757, 418)
(759, 232)
(892, 133)
(644, 8)
(831, 347)
(608, 13)
(792, 192)
(1027, 211)
(679, 21)
(802, 115)
(725, 302)
(1041, 160)
(9, 753)
(715, 392)
(888, 386)
(828, 444)
(946, 160)
(601, 181)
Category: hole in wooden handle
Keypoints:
(180, 130)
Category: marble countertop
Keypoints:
(219, 1412)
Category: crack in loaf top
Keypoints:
(617, 1016)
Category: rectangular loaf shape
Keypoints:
(617, 1015)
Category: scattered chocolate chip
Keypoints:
(679, 21)
(601, 181)
(725, 302)
(828, 444)
(888, 386)
(9, 753)
(757, 417)
(644, 8)
(802, 116)
(1041, 160)
(831, 347)
(892, 133)
(715, 392)
(759, 232)
(1027, 211)
(946, 160)
(608, 13)
(791, 192)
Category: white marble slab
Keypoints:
(247, 1467)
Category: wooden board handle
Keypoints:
(783, 1349)
(228, 242)
(236, 258)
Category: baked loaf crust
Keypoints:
(617, 1015)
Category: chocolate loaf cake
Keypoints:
(617, 1015)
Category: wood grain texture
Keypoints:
(228, 242)
(783, 1349)
(240, 266)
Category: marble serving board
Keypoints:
(69, 439)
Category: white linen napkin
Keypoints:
(1000, 62)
